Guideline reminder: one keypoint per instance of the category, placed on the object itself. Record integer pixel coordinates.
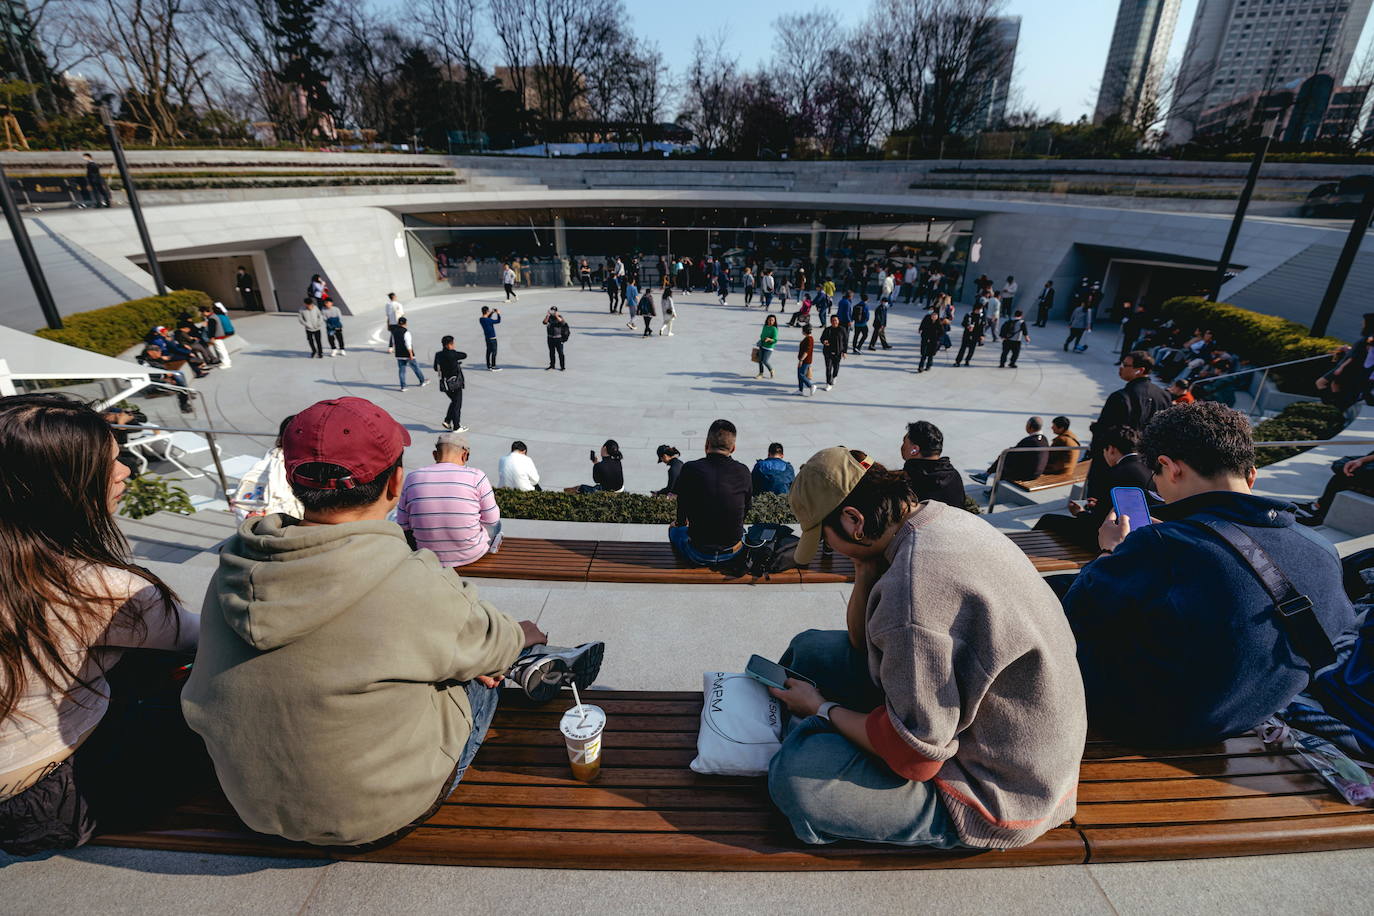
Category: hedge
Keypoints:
(1307, 420)
(629, 508)
(116, 328)
(1261, 340)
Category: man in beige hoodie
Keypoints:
(344, 682)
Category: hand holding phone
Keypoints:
(1129, 503)
(772, 674)
(591, 453)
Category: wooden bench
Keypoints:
(518, 806)
(654, 562)
(1078, 474)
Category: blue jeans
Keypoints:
(830, 789)
(803, 379)
(682, 545)
(401, 370)
(483, 701)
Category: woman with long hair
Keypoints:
(768, 339)
(75, 756)
(607, 473)
(923, 722)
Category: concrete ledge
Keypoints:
(1352, 513)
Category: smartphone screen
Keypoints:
(770, 673)
(1130, 502)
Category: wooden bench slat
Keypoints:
(625, 820)
(611, 776)
(590, 795)
(524, 755)
(1077, 474)
(1190, 768)
(1179, 789)
(520, 737)
(1247, 838)
(627, 723)
(1211, 810)
(679, 851)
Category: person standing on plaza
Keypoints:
(647, 311)
(859, 317)
(612, 284)
(768, 339)
(823, 303)
(1044, 304)
(975, 324)
(784, 290)
(403, 346)
(508, 277)
(95, 182)
(748, 286)
(313, 322)
(244, 286)
(394, 311)
(448, 365)
(805, 354)
(1131, 326)
(669, 312)
(1014, 333)
(333, 325)
(584, 273)
(1080, 321)
(880, 327)
(629, 302)
(556, 332)
(766, 286)
(470, 270)
(722, 281)
(844, 313)
(1008, 295)
(834, 342)
(932, 329)
(489, 320)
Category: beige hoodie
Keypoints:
(326, 685)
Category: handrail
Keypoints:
(194, 429)
(1298, 443)
(1291, 362)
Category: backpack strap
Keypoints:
(1296, 615)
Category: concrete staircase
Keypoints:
(169, 537)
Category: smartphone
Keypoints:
(1130, 503)
(592, 453)
(771, 674)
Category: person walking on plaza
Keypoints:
(313, 322)
(1080, 321)
(722, 281)
(95, 182)
(859, 316)
(748, 286)
(992, 308)
(833, 344)
(448, 365)
(805, 354)
(1044, 304)
(556, 332)
(333, 325)
(932, 329)
(647, 311)
(394, 313)
(490, 319)
(669, 312)
(508, 278)
(823, 303)
(880, 327)
(844, 313)
(766, 286)
(403, 346)
(975, 324)
(516, 471)
(768, 339)
(1014, 333)
(629, 301)
(1131, 326)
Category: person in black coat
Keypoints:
(1044, 304)
(1023, 465)
(1131, 406)
(448, 365)
(669, 456)
(1124, 468)
(931, 474)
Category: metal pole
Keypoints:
(1343, 264)
(1241, 205)
(1259, 394)
(118, 149)
(996, 480)
(26, 254)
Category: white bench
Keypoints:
(174, 448)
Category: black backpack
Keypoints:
(768, 548)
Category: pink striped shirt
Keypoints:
(448, 508)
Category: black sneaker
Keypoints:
(548, 669)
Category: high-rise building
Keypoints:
(1135, 60)
(1238, 47)
(1006, 34)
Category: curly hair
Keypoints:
(1210, 438)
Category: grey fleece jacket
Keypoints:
(326, 684)
(980, 675)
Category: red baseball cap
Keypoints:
(353, 433)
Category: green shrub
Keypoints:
(1296, 422)
(116, 328)
(150, 493)
(631, 508)
(1261, 340)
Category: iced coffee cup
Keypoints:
(582, 728)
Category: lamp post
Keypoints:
(118, 149)
(1241, 205)
(26, 254)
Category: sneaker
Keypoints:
(495, 368)
(343, 352)
(546, 670)
(424, 383)
(460, 429)
(448, 426)
(828, 387)
(981, 476)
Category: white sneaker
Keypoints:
(333, 352)
(460, 429)
(828, 387)
(670, 333)
(343, 352)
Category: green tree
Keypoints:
(303, 62)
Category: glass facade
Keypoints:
(450, 251)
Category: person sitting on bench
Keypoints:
(1120, 446)
(1063, 462)
(713, 497)
(1347, 473)
(950, 714)
(1022, 465)
(1180, 639)
(344, 682)
(932, 476)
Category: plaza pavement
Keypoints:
(643, 392)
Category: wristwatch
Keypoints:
(824, 709)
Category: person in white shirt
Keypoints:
(516, 471)
(1008, 294)
(508, 281)
(394, 311)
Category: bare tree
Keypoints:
(711, 104)
(646, 88)
(452, 27)
(803, 46)
(515, 37)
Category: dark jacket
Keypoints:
(448, 364)
(714, 494)
(1130, 471)
(833, 339)
(937, 479)
(674, 471)
(609, 474)
(931, 327)
(1025, 465)
(975, 325)
(1132, 406)
(1178, 642)
(773, 475)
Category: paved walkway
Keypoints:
(644, 392)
